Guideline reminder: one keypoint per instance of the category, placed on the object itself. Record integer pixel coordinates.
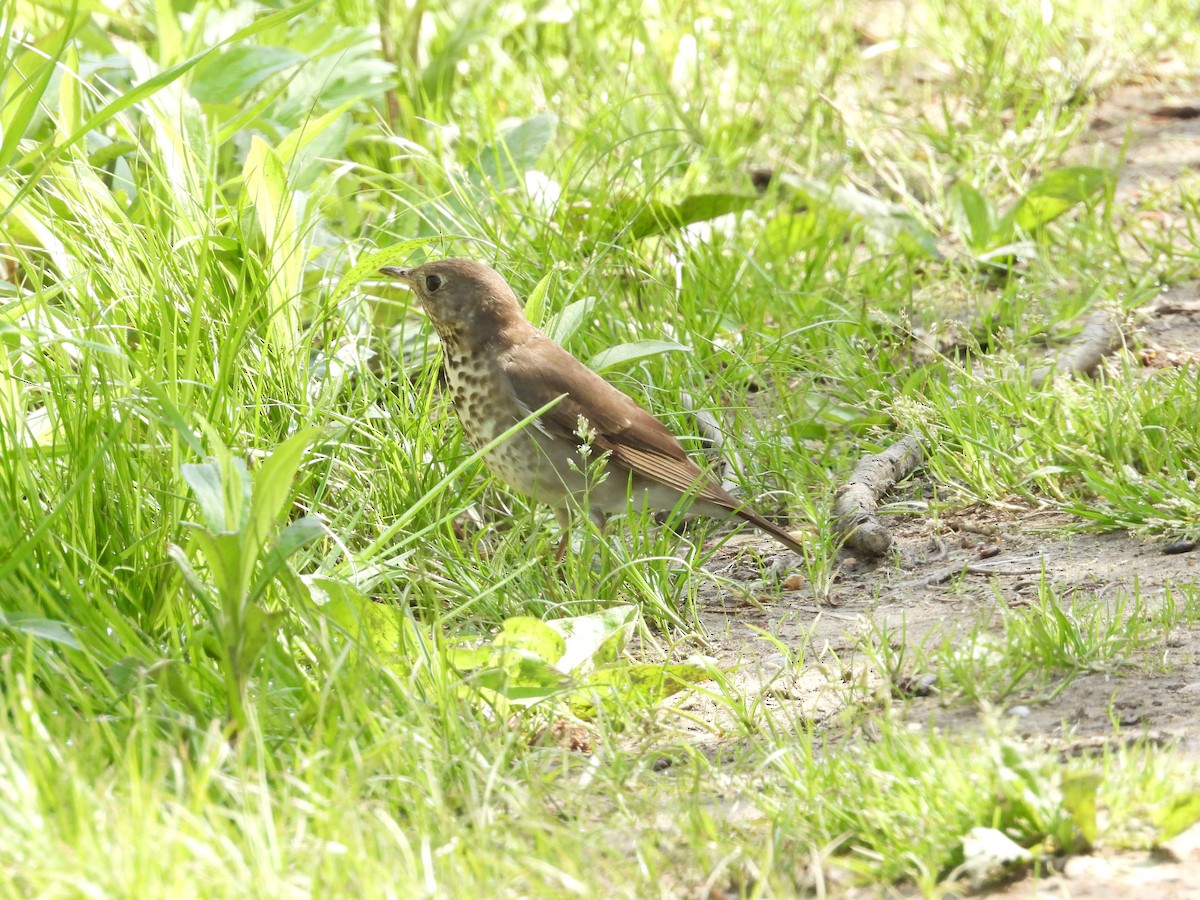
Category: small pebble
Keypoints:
(775, 661)
(1019, 711)
(925, 684)
(917, 685)
(793, 582)
(1091, 867)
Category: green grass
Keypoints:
(187, 274)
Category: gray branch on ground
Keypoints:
(855, 502)
(1102, 336)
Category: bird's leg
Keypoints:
(563, 516)
(564, 522)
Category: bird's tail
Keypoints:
(770, 528)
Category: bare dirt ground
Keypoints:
(942, 587)
(941, 582)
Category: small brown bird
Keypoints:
(500, 369)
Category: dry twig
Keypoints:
(1102, 336)
(855, 501)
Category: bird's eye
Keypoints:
(432, 283)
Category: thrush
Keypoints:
(500, 370)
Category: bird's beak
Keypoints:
(402, 275)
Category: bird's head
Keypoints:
(462, 298)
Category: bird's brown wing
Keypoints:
(539, 371)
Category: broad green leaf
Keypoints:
(208, 487)
(596, 639)
(656, 218)
(230, 559)
(297, 534)
(180, 686)
(465, 659)
(239, 492)
(1055, 193)
(125, 674)
(500, 684)
(641, 685)
(527, 669)
(504, 162)
(265, 190)
(913, 243)
(1178, 815)
(273, 486)
(356, 73)
(275, 564)
(973, 215)
(273, 570)
(38, 627)
(562, 327)
(623, 354)
(304, 150)
(535, 303)
(225, 77)
(167, 32)
(518, 675)
(533, 636)
(372, 624)
(100, 158)
(1079, 799)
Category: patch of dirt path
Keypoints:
(944, 586)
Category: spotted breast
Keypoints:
(486, 411)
